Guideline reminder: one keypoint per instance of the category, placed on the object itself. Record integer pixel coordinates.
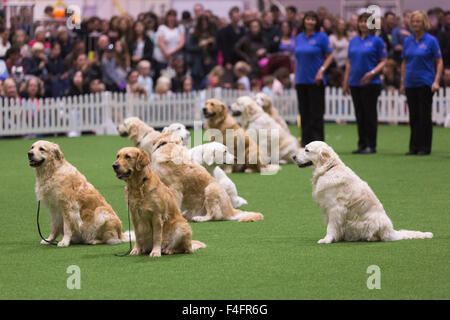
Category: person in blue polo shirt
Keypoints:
(313, 54)
(420, 80)
(366, 58)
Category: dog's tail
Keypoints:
(197, 245)
(408, 234)
(238, 201)
(246, 216)
(125, 236)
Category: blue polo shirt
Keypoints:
(364, 55)
(310, 53)
(419, 57)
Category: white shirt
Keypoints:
(172, 38)
(340, 49)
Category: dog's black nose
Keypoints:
(115, 166)
(30, 155)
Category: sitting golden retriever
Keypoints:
(350, 207)
(140, 133)
(199, 195)
(158, 223)
(218, 118)
(77, 209)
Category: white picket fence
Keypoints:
(103, 112)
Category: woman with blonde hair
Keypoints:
(420, 75)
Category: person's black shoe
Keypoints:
(410, 153)
(423, 153)
(357, 151)
(368, 150)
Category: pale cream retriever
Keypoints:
(140, 133)
(351, 209)
(179, 129)
(157, 220)
(275, 143)
(77, 209)
(199, 195)
(266, 103)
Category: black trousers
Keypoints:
(420, 100)
(365, 100)
(311, 106)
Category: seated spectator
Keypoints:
(20, 40)
(64, 41)
(187, 84)
(35, 64)
(115, 66)
(102, 44)
(14, 63)
(255, 85)
(79, 47)
(58, 78)
(39, 36)
(96, 86)
(162, 86)
(241, 71)
(32, 89)
(267, 86)
(77, 85)
(132, 80)
(4, 42)
(214, 77)
(10, 89)
(144, 78)
(287, 41)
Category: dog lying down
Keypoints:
(209, 155)
(350, 207)
(140, 133)
(199, 195)
(157, 220)
(77, 209)
(180, 130)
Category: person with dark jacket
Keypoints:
(201, 49)
(58, 78)
(141, 46)
(229, 36)
(252, 47)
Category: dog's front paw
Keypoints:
(155, 253)
(63, 243)
(325, 240)
(135, 252)
(47, 241)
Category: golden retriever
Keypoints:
(350, 207)
(218, 118)
(158, 223)
(266, 103)
(140, 133)
(77, 209)
(199, 195)
(258, 123)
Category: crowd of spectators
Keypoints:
(249, 50)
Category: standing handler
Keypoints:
(366, 58)
(420, 80)
(313, 54)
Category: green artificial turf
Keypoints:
(277, 258)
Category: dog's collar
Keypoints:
(334, 165)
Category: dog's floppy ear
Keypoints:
(208, 156)
(132, 131)
(57, 152)
(324, 156)
(142, 160)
